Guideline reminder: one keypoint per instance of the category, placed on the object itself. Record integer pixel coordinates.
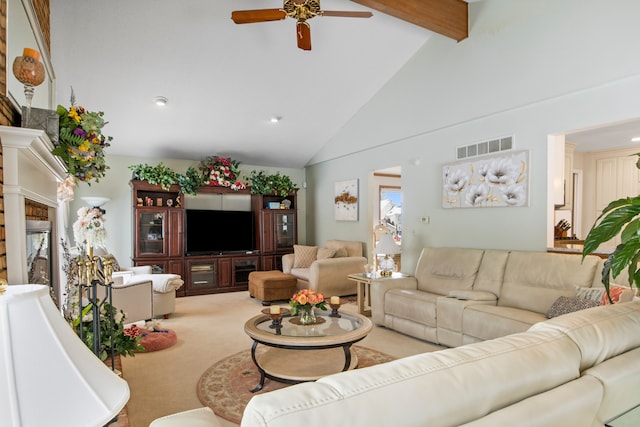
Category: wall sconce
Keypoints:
(30, 72)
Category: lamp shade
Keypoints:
(386, 246)
(95, 202)
(48, 376)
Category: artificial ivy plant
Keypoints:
(622, 215)
(165, 177)
(265, 184)
(160, 175)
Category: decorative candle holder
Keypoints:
(276, 318)
(334, 310)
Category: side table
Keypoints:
(363, 281)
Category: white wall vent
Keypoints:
(485, 147)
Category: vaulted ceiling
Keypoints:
(224, 82)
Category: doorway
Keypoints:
(387, 209)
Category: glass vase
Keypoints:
(307, 314)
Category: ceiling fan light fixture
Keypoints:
(160, 101)
(275, 119)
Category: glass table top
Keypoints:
(325, 326)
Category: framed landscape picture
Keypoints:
(346, 200)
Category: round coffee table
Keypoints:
(298, 353)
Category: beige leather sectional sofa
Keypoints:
(328, 271)
(460, 295)
(579, 369)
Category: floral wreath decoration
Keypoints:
(221, 172)
(81, 143)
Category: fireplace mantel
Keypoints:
(30, 172)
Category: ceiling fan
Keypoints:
(300, 10)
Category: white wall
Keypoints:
(529, 69)
(119, 217)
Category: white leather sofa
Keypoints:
(328, 275)
(579, 369)
(460, 295)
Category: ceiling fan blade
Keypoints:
(346, 14)
(258, 15)
(303, 33)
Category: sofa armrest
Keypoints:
(379, 287)
(330, 276)
(287, 263)
(343, 266)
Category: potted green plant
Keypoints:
(266, 184)
(158, 175)
(191, 181)
(619, 217)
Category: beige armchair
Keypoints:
(164, 287)
(135, 298)
(325, 270)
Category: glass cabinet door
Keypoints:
(285, 231)
(151, 232)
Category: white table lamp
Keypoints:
(388, 247)
(48, 376)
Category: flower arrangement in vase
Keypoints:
(89, 228)
(81, 143)
(303, 302)
(221, 172)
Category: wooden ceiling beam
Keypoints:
(447, 17)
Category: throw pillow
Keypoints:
(324, 253)
(304, 256)
(564, 305)
(618, 294)
(341, 252)
(594, 294)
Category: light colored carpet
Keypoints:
(210, 328)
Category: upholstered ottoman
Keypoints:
(271, 286)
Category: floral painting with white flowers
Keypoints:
(489, 181)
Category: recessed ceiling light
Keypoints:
(275, 119)
(635, 139)
(160, 100)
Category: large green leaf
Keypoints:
(611, 224)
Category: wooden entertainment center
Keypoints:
(159, 238)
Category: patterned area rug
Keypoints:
(225, 386)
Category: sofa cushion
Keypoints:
(418, 306)
(301, 273)
(304, 256)
(618, 375)
(534, 280)
(324, 253)
(564, 305)
(486, 322)
(342, 246)
(600, 332)
(441, 270)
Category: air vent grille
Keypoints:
(485, 147)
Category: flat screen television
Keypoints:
(218, 232)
